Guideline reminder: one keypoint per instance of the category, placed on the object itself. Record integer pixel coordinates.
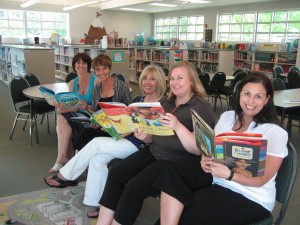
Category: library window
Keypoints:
(18, 23)
(184, 28)
(277, 27)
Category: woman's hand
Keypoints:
(206, 163)
(82, 104)
(219, 170)
(169, 120)
(139, 134)
(92, 125)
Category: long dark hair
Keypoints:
(268, 113)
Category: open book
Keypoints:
(69, 99)
(244, 153)
(140, 115)
(101, 119)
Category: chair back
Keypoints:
(70, 76)
(294, 68)
(217, 82)
(205, 79)
(278, 84)
(235, 93)
(285, 180)
(293, 79)
(198, 70)
(277, 70)
(238, 70)
(239, 76)
(32, 79)
(119, 76)
(16, 87)
(166, 71)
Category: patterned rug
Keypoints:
(45, 207)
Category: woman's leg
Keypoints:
(64, 132)
(218, 205)
(136, 190)
(170, 209)
(108, 149)
(106, 216)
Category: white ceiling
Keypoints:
(144, 4)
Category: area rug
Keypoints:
(46, 207)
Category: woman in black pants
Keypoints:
(130, 181)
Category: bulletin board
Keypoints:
(208, 35)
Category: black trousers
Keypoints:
(205, 203)
(129, 183)
(87, 135)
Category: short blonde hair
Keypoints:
(158, 75)
(197, 87)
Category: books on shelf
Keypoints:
(69, 99)
(140, 115)
(243, 153)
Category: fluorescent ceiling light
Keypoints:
(195, 1)
(163, 4)
(80, 5)
(29, 3)
(133, 9)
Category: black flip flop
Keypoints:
(96, 210)
(62, 183)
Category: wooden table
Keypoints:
(288, 94)
(35, 93)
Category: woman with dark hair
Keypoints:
(83, 84)
(232, 198)
(130, 181)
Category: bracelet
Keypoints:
(230, 176)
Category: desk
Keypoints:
(288, 94)
(35, 93)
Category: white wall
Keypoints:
(126, 23)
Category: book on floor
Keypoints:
(140, 115)
(244, 153)
(69, 99)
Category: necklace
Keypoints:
(82, 87)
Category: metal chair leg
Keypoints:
(36, 129)
(25, 123)
(13, 127)
(48, 127)
(42, 119)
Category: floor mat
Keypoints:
(49, 206)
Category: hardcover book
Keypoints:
(69, 99)
(140, 115)
(243, 153)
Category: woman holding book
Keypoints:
(101, 150)
(233, 197)
(66, 129)
(105, 88)
(130, 181)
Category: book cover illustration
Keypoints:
(139, 115)
(69, 99)
(244, 153)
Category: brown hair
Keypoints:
(102, 60)
(85, 58)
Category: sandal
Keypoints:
(56, 168)
(62, 183)
(92, 212)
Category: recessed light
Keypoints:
(162, 4)
(133, 9)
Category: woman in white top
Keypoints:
(233, 198)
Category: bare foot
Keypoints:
(52, 182)
(94, 213)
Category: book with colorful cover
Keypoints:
(101, 119)
(244, 153)
(140, 115)
(69, 99)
